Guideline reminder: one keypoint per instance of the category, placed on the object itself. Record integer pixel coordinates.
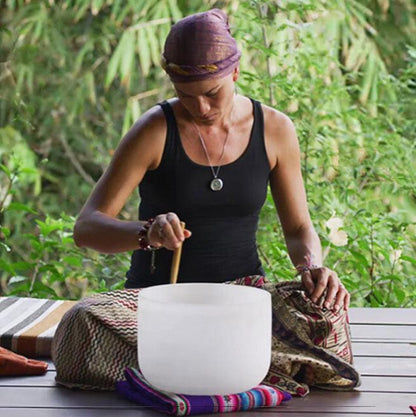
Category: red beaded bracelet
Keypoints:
(143, 240)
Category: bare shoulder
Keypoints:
(277, 121)
(280, 136)
(149, 128)
(146, 138)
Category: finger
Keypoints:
(156, 234)
(347, 301)
(340, 298)
(163, 231)
(177, 226)
(175, 230)
(307, 282)
(332, 289)
(153, 235)
(168, 237)
(172, 218)
(320, 277)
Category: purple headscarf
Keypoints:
(200, 47)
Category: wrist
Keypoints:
(307, 265)
(143, 236)
(301, 268)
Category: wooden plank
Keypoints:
(47, 380)
(277, 412)
(380, 333)
(385, 366)
(388, 384)
(61, 398)
(322, 413)
(382, 315)
(384, 349)
(350, 402)
(51, 365)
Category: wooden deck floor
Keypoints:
(384, 345)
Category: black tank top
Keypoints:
(223, 223)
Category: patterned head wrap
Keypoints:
(200, 47)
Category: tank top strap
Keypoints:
(258, 128)
(257, 143)
(172, 134)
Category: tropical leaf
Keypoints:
(154, 48)
(113, 65)
(127, 46)
(144, 52)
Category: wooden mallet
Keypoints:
(176, 260)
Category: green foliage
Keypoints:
(74, 76)
(45, 261)
(353, 162)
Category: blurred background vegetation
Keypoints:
(75, 75)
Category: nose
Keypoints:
(202, 106)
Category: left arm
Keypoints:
(289, 196)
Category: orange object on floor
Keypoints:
(13, 364)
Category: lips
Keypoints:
(207, 118)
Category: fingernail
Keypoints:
(326, 304)
(336, 308)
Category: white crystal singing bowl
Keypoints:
(204, 339)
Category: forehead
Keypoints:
(197, 88)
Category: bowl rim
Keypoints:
(266, 296)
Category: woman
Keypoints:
(206, 158)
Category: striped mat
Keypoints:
(27, 325)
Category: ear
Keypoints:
(236, 73)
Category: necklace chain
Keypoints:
(214, 173)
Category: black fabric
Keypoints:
(223, 223)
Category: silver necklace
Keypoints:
(217, 183)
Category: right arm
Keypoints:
(97, 226)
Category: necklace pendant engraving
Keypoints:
(216, 184)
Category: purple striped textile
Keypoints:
(137, 389)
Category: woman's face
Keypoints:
(207, 101)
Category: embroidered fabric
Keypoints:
(137, 389)
(310, 346)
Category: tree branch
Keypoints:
(263, 14)
(73, 159)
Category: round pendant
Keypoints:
(216, 184)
